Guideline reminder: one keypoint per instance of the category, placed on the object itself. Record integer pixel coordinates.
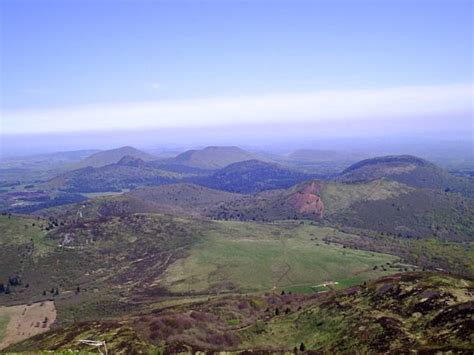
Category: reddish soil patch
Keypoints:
(307, 201)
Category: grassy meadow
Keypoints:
(250, 257)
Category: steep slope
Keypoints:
(212, 157)
(413, 311)
(408, 170)
(252, 176)
(112, 156)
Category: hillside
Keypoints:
(212, 157)
(381, 205)
(129, 260)
(314, 200)
(413, 312)
(408, 170)
(127, 173)
(176, 199)
(252, 176)
(112, 156)
(184, 196)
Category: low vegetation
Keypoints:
(402, 313)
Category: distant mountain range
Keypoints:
(398, 195)
(212, 157)
(130, 171)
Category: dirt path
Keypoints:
(26, 321)
(286, 273)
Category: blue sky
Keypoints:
(95, 60)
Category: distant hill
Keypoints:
(406, 169)
(252, 176)
(380, 205)
(127, 173)
(309, 200)
(182, 195)
(112, 156)
(212, 157)
(167, 165)
(175, 199)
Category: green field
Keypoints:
(251, 257)
(3, 325)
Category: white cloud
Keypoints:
(280, 108)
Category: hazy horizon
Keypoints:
(182, 74)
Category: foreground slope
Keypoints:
(101, 266)
(406, 312)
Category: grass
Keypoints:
(338, 196)
(100, 194)
(117, 336)
(4, 319)
(457, 257)
(363, 321)
(251, 257)
(19, 230)
(104, 259)
(233, 322)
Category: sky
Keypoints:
(233, 68)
